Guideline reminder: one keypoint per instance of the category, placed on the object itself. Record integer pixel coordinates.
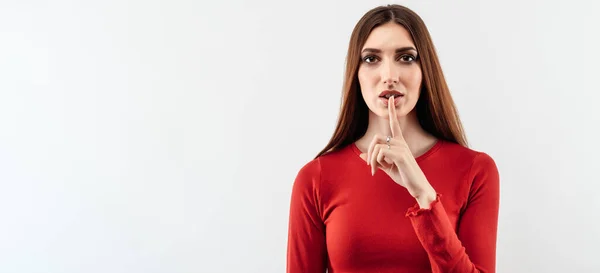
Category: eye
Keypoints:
(407, 58)
(369, 59)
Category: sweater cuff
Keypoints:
(416, 210)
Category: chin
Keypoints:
(383, 113)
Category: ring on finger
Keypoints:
(387, 140)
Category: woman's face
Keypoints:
(389, 66)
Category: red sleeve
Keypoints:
(306, 250)
(472, 248)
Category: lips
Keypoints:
(385, 102)
(387, 93)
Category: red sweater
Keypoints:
(345, 220)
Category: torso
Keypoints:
(364, 215)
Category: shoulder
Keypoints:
(472, 156)
(478, 163)
(482, 168)
(313, 171)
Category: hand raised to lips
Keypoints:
(391, 154)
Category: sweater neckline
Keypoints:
(438, 144)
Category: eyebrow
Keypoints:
(402, 49)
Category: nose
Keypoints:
(389, 73)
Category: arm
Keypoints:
(306, 250)
(472, 248)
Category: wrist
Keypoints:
(426, 197)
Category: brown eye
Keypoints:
(369, 59)
(408, 58)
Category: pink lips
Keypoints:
(392, 92)
(397, 96)
(397, 99)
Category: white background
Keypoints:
(164, 136)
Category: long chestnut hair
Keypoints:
(435, 108)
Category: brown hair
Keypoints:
(436, 110)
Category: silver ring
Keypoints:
(387, 139)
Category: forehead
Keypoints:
(388, 37)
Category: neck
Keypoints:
(418, 140)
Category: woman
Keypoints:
(396, 189)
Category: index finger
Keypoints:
(394, 123)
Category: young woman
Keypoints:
(396, 189)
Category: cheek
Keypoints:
(362, 77)
(366, 78)
(413, 79)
